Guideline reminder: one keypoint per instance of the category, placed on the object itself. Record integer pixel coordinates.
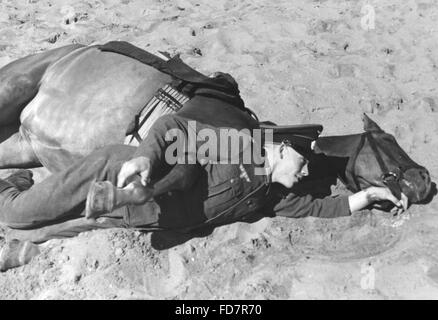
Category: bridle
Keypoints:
(390, 178)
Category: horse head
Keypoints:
(374, 158)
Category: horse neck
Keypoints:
(328, 166)
(334, 154)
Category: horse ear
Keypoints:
(370, 125)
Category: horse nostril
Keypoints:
(424, 174)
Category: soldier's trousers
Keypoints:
(55, 207)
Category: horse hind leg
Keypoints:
(20, 81)
(15, 151)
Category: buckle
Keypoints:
(390, 175)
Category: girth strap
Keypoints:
(167, 100)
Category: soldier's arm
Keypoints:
(149, 161)
(334, 206)
(162, 134)
(295, 206)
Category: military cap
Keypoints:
(299, 136)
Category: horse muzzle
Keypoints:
(416, 184)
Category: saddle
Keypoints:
(169, 99)
(187, 82)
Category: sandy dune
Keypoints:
(296, 62)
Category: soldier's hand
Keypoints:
(137, 166)
(383, 193)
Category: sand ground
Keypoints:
(296, 61)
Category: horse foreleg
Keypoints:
(15, 151)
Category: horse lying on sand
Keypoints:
(60, 105)
(351, 158)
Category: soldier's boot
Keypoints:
(16, 253)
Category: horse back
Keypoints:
(86, 101)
